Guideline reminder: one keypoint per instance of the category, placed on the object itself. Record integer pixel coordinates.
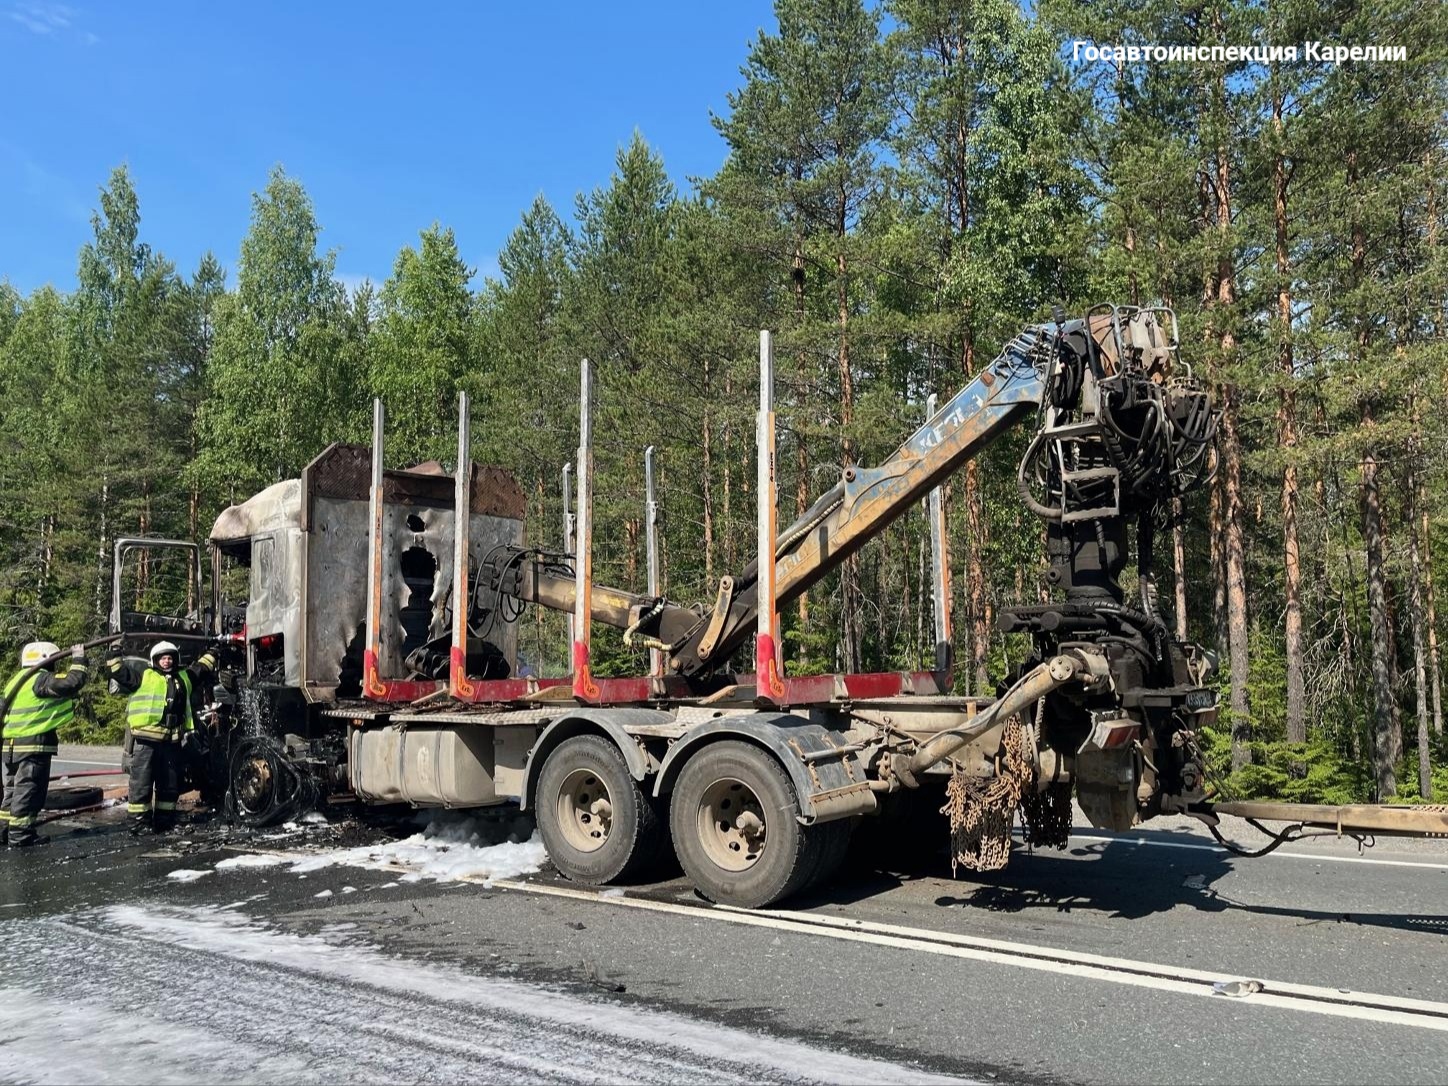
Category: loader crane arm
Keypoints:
(1121, 425)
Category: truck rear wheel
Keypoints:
(596, 822)
(735, 822)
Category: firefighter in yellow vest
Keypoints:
(37, 703)
(161, 719)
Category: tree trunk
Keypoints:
(977, 681)
(1179, 566)
(1236, 585)
(47, 550)
(1233, 544)
(1420, 639)
(850, 571)
(726, 434)
(1435, 677)
(193, 529)
(1216, 535)
(1384, 754)
(143, 558)
(1287, 438)
(1129, 243)
(103, 539)
(801, 454)
(631, 553)
(707, 468)
(1386, 743)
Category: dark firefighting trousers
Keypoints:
(155, 766)
(27, 780)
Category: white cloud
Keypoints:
(40, 18)
(49, 20)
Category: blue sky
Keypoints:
(392, 115)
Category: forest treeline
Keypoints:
(905, 186)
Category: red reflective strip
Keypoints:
(584, 688)
(1121, 736)
(768, 682)
(376, 688)
(459, 685)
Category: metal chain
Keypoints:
(982, 811)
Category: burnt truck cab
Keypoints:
(331, 609)
(307, 544)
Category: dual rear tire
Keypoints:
(733, 817)
(598, 825)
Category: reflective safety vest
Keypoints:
(147, 706)
(32, 717)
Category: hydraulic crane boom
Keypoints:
(1120, 428)
(867, 500)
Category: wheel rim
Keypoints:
(731, 824)
(585, 811)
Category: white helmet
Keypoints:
(163, 648)
(37, 651)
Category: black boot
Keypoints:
(140, 824)
(27, 838)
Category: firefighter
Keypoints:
(161, 721)
(37, 703)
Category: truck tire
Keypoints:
(68, 797)
(736, 828)
(837, 836)
(597, 823)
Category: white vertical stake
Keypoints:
(458, 684)
(940, 565)
(651, 538)
(768, 683)
(584, 688)
(372, 685)
(568, 531)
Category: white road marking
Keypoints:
(1440, 866)
(77, 761)
(1370, 1007)
(1286, 995)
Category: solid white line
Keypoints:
(77, 761)
(1286, 995)
(1174, 972)
(1387, 1010)
(1441, 866)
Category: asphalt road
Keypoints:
(1092, 965)
(92, 763)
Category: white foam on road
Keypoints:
(63, 1041)
(246, 1001)
(447, 849)
(251, 859)
(186, 874)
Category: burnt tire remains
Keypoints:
(70, 797)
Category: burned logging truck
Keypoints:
(370, 616)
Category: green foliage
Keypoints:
(100, 717)
(423, 345)
(280, 381)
